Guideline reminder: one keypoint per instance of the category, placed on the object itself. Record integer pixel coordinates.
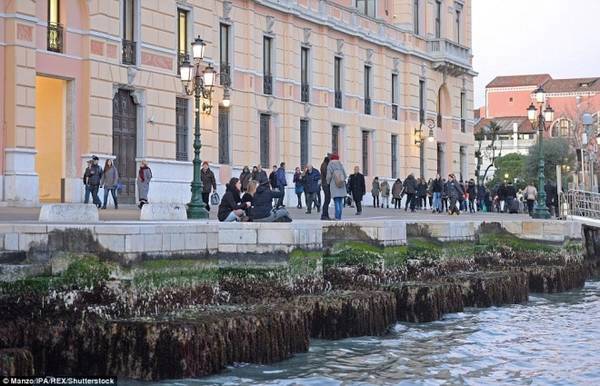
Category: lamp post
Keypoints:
(420, 141)
(199, 83)
(545, 115)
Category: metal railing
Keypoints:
(580, 203)
(267, 84)
(395, 112)
(368, 106)
(338, 99)
(54, 37)
(182, 56)
(129, 52)
(304, 92)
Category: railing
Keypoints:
(395, 112)
(267, 84)
(225, 79)
(463, 125)
(304, 92)
(181, 57)
(128, 52)
(338, 99)
(581, 203)
(446, 49)
(55, 37)
(368, 106)
(440, 121)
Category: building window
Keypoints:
(394, 156)
(365, 152)
(304, 86)
(54, 35)
(463, 121)
(438, 19)
(422, 101)
(265, 152)
(457, 27)
(128, 43)
(366, 7)
(267, 63)
(395, 96)
(182, 37)
(303, 143)
(564, 127)
(224, 136)
(440, 159)
(463, 163)
(225, 63)
(367, 83)
(181, 129)
(335, 139)
(337, 81)
(416, 16)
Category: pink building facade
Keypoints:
(100, 77)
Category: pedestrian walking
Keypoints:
(336, 179)
(298, 186)
(511, 195)
(530, 196)
(385, 194)
(444, 195)
(356, 185)
(455, 193)
(109, 181)
(472, 192)
(430, 193)
(436, 192)
(410, 188)
(245, 178)
(311, 180)
(326, 190)
(209, 183)
(421, 193)
(143, 183)
(87, 186)
(92, 179)
(397, 193)
(375, 190)
(281, 183)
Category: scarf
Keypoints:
(141, 172)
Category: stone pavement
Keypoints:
(131, 213)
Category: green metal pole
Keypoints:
(196, 208)
(541, 210)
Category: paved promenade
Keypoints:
(132, 213)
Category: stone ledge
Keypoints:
(71, 213)
(163, 212)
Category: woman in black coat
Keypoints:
(231, 207)
(356, 186)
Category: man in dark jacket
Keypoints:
(551, 198)
(326, 191)
(209, 183)
(472, 192)
(511, 194)
(410, 188)
(91, 179)
(262, 209)
(281, 182)
(455, 193)
(311, 179)
(436, 191)
(273, 177)
(356, 185)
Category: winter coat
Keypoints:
(273, 179)
(311, 181)
(375, 188)
(93, 175)
(421, 189)
(501, 192)
(231, 201)
(324, 182)
(110, 178)
(245, 178)
(356, 185)
(208, 180)
(455, 190)
(263, 201)
(298, 183)
(436, 186)
(281, 178)
(511, 192)
(410, 184)
(531, 192)
(445, 189)
(397, 189)
(471, 190)
(331, 168)
(385, 188)
(144, 183)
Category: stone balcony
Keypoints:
(449, 56)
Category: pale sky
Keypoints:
(558, 37)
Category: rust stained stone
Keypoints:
(24, 32)
(97, 47)
(157, 60)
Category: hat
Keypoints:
(334, 157)
(95, 158)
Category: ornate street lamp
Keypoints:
(200, 83)
(546, 115)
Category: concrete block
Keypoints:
(30, 228)
(115, 243)
(533, 229)
(195, 242)
(11, 242)
(70, 213)
(555, 228)
(272, 236)
(117, 229)
(439, 230)
(163, 212)
(177, 241)
(514, 227)
(241, 236)
(134, 243)
(152, 243)
(6, 228)
(27, 239)
(227, 248)
(166, 241)
(212, 241)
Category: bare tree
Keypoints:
(490, 152)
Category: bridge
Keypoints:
(584, 207)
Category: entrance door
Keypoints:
(124, 143)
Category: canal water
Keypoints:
(552, 340)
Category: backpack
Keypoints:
(338, 178)
(215, 199)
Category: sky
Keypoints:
(511, 37)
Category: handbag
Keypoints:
(215, 199)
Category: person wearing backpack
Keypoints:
(356, 185)
(336, 179)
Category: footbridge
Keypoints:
(584, 207)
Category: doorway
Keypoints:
(124, 143)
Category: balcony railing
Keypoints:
(268, 84)
(338, 99)
(368, 106)
(463, 125)
(129, 52)
(225, 78)
(440, 121)
(55, 37)
(304, 92)
(395, 112)
(443, 49)
(181, 57)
